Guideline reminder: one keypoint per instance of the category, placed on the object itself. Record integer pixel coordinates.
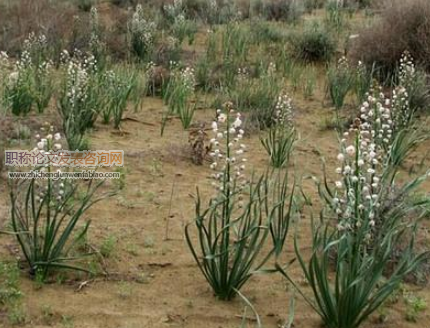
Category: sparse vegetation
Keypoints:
(245, 89)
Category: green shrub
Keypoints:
(314, 43)
(85, 5)
(283, 10)
(257, 96)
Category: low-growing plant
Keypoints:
(85, 5)
(235, 43)
(10, 292)
(281, 136)
(314, 43)
(45, 214)
(295, 76)
(204, 74)
(309, 83)
(334, 14)
(266, 32)
(233, 228)
(108, 245)
(257, 96)
(414, 306)
(283, 10)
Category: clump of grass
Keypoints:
(177, 96)
(257, 96)
(334, 15)
(340, 81)
(309, 83)
(234, 227)
(235, 43)
(108, 245)
(265, 32)
(118, 87)
(10, 292)
(414, 306)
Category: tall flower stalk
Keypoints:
(233, 228)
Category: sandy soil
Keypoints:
(152, 280)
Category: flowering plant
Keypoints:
(29, 83)
(233, 229)
(177, 94)
(142, 34)
(80, 100)
(372, 218)
(281, 136)
(45, 214)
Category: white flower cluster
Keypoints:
(95, 38)
(228, 151)
(283, 111)
(184, 77)
(406, 70)
(356, 200)
(35, 43)
(141, 28)
(401, 111)
(376, 121)
(174, 10)
(243, 75)
(51, 142)
(358, 191)
(188, 79)
(77, 83)
(271, 69)
(343, 65)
